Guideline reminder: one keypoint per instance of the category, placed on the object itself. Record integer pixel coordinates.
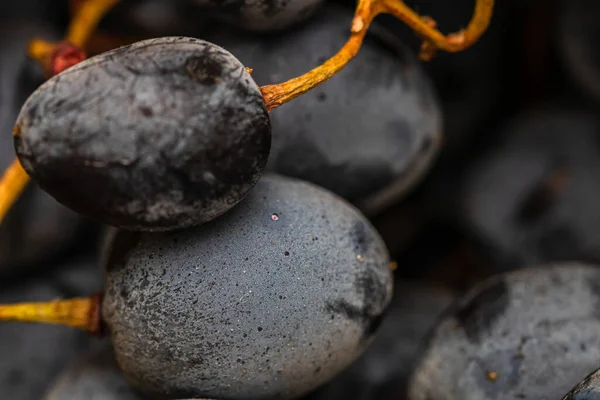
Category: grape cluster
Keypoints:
(224, 244)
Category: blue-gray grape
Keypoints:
(269, 300)
(530, 334)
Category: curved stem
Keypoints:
(12, 184)
(80, 313)
(366, 11)
(276, 95)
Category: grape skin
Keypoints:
(513, 336)
(270, 300)
(164, 134)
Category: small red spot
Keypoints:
(275, 217)
(65, 55)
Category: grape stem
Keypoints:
(88, 14)
(12, 185)
(366, 11)
(80, 313)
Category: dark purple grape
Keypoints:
(31, 355)
(166, 133)
(587, 389)
(37, 227)
(531, 198)
(269, 300)
(382, 372)
(93, 377)
(262, 15)
(530, 334)
(369, 133)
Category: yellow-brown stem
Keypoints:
(41, 50)
(80, 313)
(366, 11)
(425, 26)
(86, 18)
(276, 95)
(12, 184)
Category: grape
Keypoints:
(94, 377)
(382, 372)
(37, 227)
(588, 389)
(166, 133)
(530, 334)
(32, 355)
(270, 300)
(262, 15)
(532, 197)
(369, 133)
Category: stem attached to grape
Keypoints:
(366, 11)
(79, 313)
